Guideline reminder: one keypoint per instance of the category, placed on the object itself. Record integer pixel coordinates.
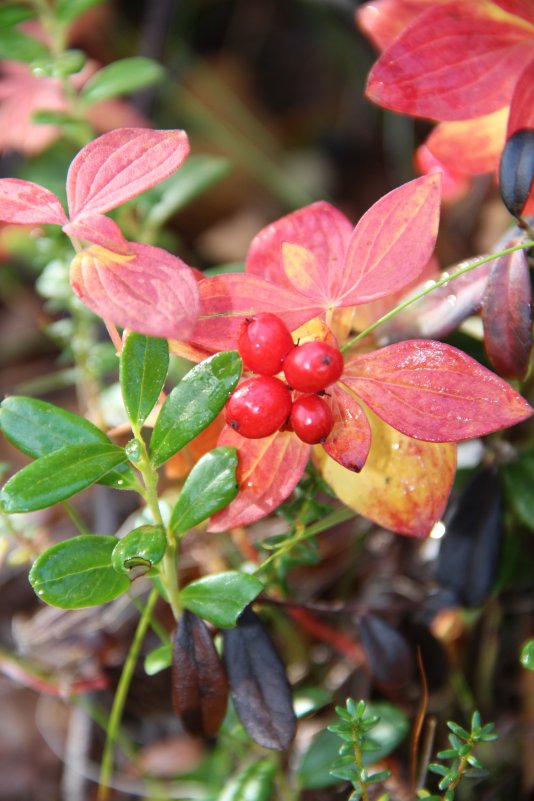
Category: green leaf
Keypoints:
(16, 46)
(136, 553)
(527, 655)
(59, 475)
(221, 598)
(38, 428)
(209, 487)
(254, 783)
(158, 659)
(458, 730)
(143, 370)
(77, 573)
(519, 480)
(194, 404)
(67, 10)
(11, 14)
(191, 180)
(121, 78)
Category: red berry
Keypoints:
(263, 343)
(313, 366)
(311, 419)
(258, 407)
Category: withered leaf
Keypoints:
(199, 683)
(258, 682)
(388, 654)
(517, 170)
(470, 550)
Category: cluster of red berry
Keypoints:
(264, 404)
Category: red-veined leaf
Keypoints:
(453, 62)
(350, 439)
(392, 243)
(521, 8)
(150, 292)
(383, 20)
(99, 230)
(432, 391)
(319, 227)
(404, 485)
(470, 146)
(507, 315)
(120, 165)
(522, 105)
(227, 299)
(269, 470)
(23, 202)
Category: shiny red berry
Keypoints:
(263, 343)
(311, 419)
(313, 366)
(258, 407)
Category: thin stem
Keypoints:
(119, 700)
(75, 517)
(114, 335)
(431, 288)
(358, 761)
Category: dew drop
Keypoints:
(395, 446)
(451, 300)
(133, 450)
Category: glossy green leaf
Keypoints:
(121, 78)
(38, 428)
(143, 370)
(254, 783)
(221, 598)
(67, 10)
(527, 655)
(158, 659)
(11, 14)
(519, 480)
(77, 573)
(59, 475)
(16, 46)
(194, 404)
(137, 552)
(209, 487)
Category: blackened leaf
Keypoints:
(388, 654)
(517, 170)
(507, 315)
(199, 684)
(254, 783)
(258, 682)
(469, 554)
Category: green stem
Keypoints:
(75, 517)
(358, 761)
(435, 285)
(119, 700)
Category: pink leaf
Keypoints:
(99, 230)
(23, 202)
(384, 20)
(227, 299)
(319, 227)
(434, 392)
(454, 185)
(507, 315)
(269, 470)
(392, 243)
(120, 165)
(350, 439)
(454, 62)
(522, 105)
(150, 291)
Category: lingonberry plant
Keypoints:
(316, 390)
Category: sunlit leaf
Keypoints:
(222, 597)
(269, 470)
(24, 202)
(471, 146)
(350, 439)
(77, 573)
(404, 485)
(120, 165)
(527, 655)
(432, 391)
(158, 659)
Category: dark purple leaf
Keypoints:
(517, 170)
(388, 654)
(199, 684)
(258, 682)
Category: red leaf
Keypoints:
(227, 299)
(470, 146)
(23, 202)
(319, 227)
(507, 315)
(453, 62)
(392, 243)
(269, 470)
(522, 105)
(150, 291)
(99, 230)
(454, 185)
(434, 392)
(384, 20)
(120, 165)
(350, 439)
